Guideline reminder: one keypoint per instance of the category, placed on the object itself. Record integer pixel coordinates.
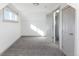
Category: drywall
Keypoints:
(77, 33)
(2, 5)
(37, 19)
(50, 23)
(9, 33)
(35, 15)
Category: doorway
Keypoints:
(56, 15)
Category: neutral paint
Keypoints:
(9, 33)
(13, 30)
(35, 15)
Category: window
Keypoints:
(10, 15)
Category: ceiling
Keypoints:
(42, 7)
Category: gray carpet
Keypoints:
(33, 46)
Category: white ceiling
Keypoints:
(43, 7)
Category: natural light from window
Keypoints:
(9, 14)
(37, 30)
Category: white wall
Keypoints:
(37, 19)
(77, 34)
(9, 33)
(50, 24)
(35, 15)
(2, 5)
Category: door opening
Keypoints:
(56, 26)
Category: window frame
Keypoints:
(8, 20)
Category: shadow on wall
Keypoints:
(34, 28)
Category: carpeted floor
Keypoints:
(33, 46)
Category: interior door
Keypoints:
(68, 14)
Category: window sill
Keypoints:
(10, 21)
